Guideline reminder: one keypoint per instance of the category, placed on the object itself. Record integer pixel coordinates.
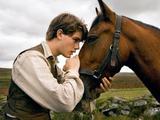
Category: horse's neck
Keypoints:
(144, 50)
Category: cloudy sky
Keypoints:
(23, 23)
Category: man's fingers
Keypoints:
(106, 83)
(110, 79)
(102, 87)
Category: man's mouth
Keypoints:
(73, 52)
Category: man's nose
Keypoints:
(77, 45)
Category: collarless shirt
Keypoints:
(31, 72)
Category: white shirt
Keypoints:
(31, 72)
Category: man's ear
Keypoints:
(59, 34)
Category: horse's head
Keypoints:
(102, 53)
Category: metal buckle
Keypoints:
(11, 116)
(111, 47)
(96, 75)
(117, 34)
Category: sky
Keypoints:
(23, 23)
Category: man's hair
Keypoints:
(68, 23)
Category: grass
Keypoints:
(128, 93)
(5, 76)
(100, 116)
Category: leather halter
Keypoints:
(112, 57)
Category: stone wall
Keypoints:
(145, 106)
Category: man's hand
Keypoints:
(105, 85)
(72, 64)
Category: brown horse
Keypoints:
(114, 41)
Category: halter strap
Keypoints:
(116, 39)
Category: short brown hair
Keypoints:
(68, 23)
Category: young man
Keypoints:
(37, 84)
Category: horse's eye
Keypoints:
(91, 39)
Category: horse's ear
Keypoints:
(106, 11)
(97, 12)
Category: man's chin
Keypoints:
(67, 56)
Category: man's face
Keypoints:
(70, 43)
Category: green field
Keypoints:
(5, 75)
(128, 94)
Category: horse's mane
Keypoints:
(151, 27)
(99, 18)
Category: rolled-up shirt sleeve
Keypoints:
(31, 72)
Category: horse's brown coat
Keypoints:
(139, 48)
